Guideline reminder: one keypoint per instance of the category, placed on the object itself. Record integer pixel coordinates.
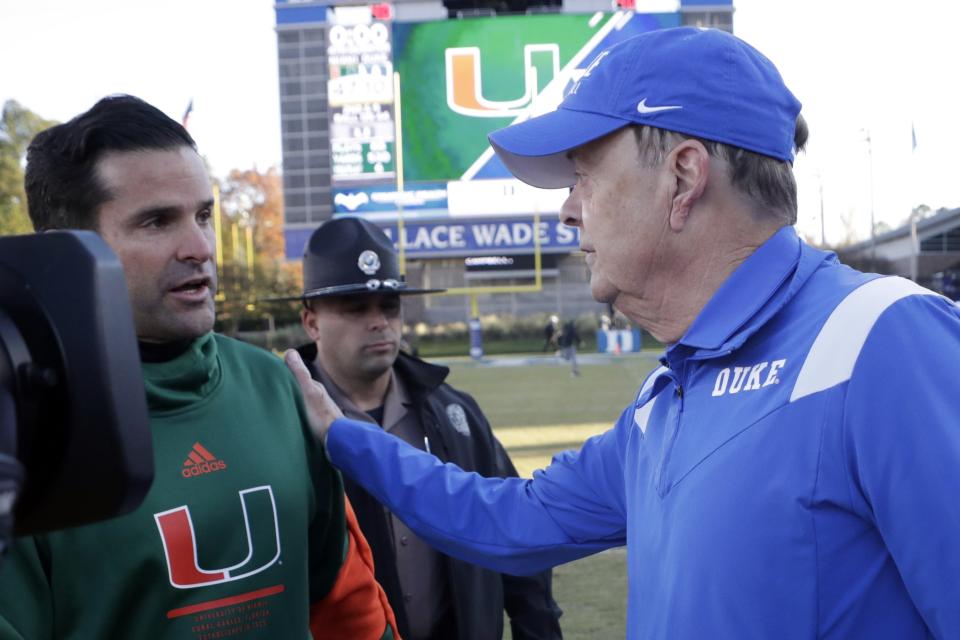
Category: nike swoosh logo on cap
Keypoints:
(643, 108)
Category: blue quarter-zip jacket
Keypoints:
(791, 471)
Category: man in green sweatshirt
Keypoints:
(245, 532)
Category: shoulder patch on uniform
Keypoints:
(837, 347)
(458, 418)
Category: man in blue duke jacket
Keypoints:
(792, 470)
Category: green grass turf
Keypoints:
(549, 395)
(538, 411)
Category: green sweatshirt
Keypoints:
(241, 531)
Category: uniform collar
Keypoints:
(752, 294)
(395, 402)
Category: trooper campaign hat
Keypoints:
(351, 256)
(700, 82)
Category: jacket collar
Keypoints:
(753, 293)
(422, 377)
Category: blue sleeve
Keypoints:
(902, 440)
(512, 525)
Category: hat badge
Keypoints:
(369, 262)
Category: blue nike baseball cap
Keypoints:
(699, 82)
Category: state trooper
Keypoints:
(352, 313)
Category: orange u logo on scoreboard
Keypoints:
(465, 87)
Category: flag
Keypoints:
(913, 137)
(186, 114)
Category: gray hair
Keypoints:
(767, 181)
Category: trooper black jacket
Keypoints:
(479, 596)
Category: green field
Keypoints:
(538, 411)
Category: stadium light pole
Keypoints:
(823, 228)
(218, 232)
(398, 168)
(873, 232)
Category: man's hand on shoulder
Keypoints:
(321, 409)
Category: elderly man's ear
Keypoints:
(689, 162)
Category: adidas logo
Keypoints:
(200, 461)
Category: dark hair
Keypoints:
(63, 189)
(767, 181)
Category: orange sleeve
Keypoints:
(356, 606)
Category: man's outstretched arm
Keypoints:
(570, 510)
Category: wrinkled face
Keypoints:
(158, 222)
(622, 210)
(358, 337)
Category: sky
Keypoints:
(867, 76)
